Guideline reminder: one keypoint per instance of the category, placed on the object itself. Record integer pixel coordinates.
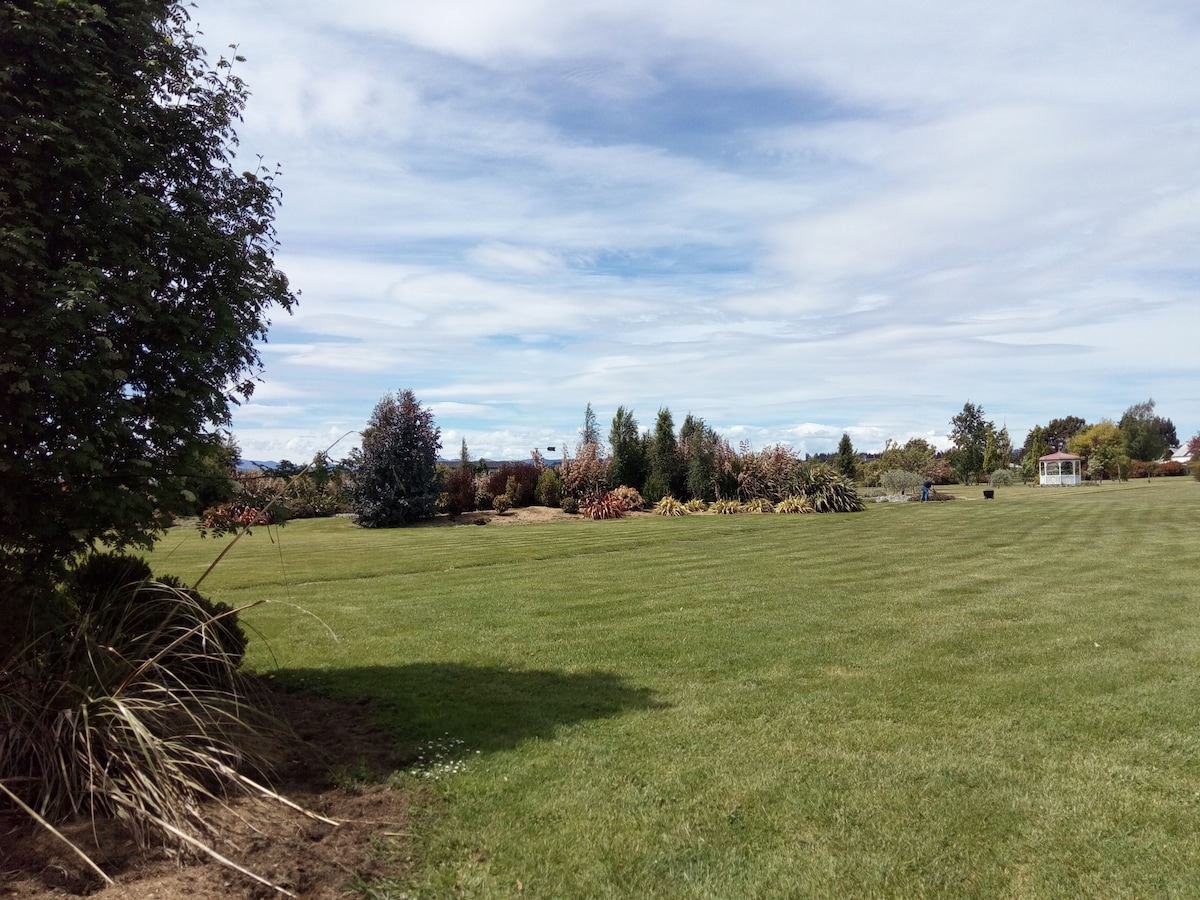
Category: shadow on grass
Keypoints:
(487, 708)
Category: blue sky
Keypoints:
(793, 220)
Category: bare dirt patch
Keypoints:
(310, 858)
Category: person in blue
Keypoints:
(925, 486)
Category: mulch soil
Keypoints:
(308, 857)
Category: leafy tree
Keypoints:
(997, 451)
(969, 432)
(136, 276)
(699, 444)
(1004, 447)
(1103, 446)
(991, 453)
(1036, 448)
(846, 460)
(1059, 431)
(460, 490)
(1147, 437)
(549, 488)
(917, 455)
(517, 480)
(395, 480)
(212, 481)
(627, 459)
(1193, 446)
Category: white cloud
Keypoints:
(797, 221)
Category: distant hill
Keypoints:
(249, 465)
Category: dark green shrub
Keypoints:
(394, 477)
(571, 505)
(655, 489)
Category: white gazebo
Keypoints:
(1060, 469)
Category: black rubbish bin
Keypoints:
(989, 495)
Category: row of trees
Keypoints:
(1135, 444)
(395, 478)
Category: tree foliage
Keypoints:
(846, 461)
(1059, 431)
(666, 473)
(136, 274)
(1147, 437)
(627, 456)
(700, 445)
(1035, 448)
(1103, 447)
(395, 477)
(916, 455)
(969, 431)
(590, 432)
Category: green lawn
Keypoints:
(975, 698)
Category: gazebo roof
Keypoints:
(1055, 457)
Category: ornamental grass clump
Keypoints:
(604, 506)
(726, 507)
(793, 505)
(759, 505)
(669, 506)
(829, 491)
(696, 505)
(133, 707)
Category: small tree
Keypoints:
(969, 431)
(590, 432)
(1147, 437)
(549, 488)
(847, 460)
(1037, 448)
(395, 479)
(627, 459)
(666, 471)
(586, 475)
(1103, 446)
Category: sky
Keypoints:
(793, 220)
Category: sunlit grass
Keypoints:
(975, 698)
